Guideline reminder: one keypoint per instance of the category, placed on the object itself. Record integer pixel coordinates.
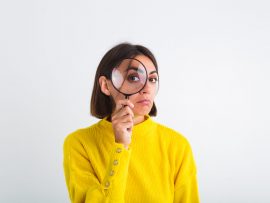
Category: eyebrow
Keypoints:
(152, 72)
(139, 70)
(134, 68)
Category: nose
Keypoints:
(146, 88)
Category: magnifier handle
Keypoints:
(127, 97)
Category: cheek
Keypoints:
(116, 95)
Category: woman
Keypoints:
(126, 156)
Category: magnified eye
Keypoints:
(133, 78)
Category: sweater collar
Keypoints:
(140, 129)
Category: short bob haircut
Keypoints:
(101, 104)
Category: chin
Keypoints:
(141, 112)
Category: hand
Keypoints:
(122, 122)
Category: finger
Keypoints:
(126, 110)
(117, 120)
(123, 102)
(126, 119)
(123, 127)
(120, 106)
(127, 125)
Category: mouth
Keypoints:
(144, 102)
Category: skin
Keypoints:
(128, 113)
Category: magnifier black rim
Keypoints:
(127, 95)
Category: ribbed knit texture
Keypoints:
(157, 167)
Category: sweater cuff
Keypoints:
(114, 182)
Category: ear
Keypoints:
(104, 85)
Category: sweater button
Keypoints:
(107, 184)
(111, 172)
(118, 150)
(115, 162)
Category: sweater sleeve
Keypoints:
(186, 187)
(82, 182)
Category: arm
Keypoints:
(186, 187)
(82, 182)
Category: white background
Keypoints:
(214, 74)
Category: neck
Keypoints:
(138, 119)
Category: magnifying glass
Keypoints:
(129, 77)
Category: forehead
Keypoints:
(146, 62)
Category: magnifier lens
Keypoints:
(129, 77)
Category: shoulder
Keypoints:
(79, 136)
(174, 138)
(170, 133)
(179, 148)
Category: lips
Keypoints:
(144, 101)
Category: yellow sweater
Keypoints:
(157, 167)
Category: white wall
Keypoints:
(214, 72)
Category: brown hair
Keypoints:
(101, 104)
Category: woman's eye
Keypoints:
(133, 78)
(153, 80)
